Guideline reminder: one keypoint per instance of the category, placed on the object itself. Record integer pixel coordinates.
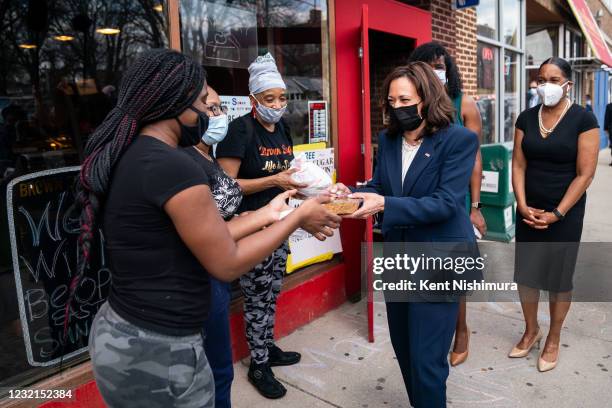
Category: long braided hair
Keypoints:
(160, 84)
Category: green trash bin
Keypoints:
(496, 193)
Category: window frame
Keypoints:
(500, 44)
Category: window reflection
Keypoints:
(512, 101)
(541, 45)
(486, 23)
(487, 90)
(228, 36)
(512, 18)
(61, 64)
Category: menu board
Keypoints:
(44, 226)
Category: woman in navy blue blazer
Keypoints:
(420, 182)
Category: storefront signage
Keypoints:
(460, 4)
(44, 227)
(306, 249)
(236, 106)
(490, 182)
(591, 30)
(317, 122)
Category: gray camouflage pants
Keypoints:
(261, 287)
(134, 367)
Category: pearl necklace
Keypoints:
(543, 130)
(411, 147)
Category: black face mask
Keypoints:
(406, 117)
(192, 135)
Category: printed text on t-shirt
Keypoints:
(275, 151)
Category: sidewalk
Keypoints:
(341, 369)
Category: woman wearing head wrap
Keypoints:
(257, 151)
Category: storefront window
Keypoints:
(486, 24)
(60, 67)
(512, 22)
(228, 36)
(512, 100)
(541, 45)
(487, 91)
(574, 44)
(500, 66)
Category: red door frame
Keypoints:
(387, 16)
(368, 236)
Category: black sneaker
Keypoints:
(278, 357)
(262, 378)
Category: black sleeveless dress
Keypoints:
(546, 259)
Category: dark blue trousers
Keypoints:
(218, 343)
(421, 335)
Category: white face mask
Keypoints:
(216, 131)
(551, 94)
(269, 115)
(441, 74)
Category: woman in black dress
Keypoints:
(556, 146)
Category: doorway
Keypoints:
(387, 51)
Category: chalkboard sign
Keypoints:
(44, 227)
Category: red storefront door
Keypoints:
(356, 21)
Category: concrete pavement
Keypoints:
(341, 369)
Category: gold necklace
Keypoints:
(543, 130)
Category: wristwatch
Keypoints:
(558, 214)
(477, 204)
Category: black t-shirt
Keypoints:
(608, 120)
(262, 153)
(225, 190)
(157, 283)
(551, 161)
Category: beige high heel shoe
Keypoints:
(519, 353)
(458, 358)
(544, 365)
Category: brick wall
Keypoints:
(442, 20)
(467, 48)
(456, 30)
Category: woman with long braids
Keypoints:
(162, 227)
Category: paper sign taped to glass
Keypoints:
(305, 248)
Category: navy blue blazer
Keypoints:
(429, 206)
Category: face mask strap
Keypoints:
(256, 100)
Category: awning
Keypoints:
(591, 31)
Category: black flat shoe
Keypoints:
(262, 378)
(278, 357)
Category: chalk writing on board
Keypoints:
(44, 227)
